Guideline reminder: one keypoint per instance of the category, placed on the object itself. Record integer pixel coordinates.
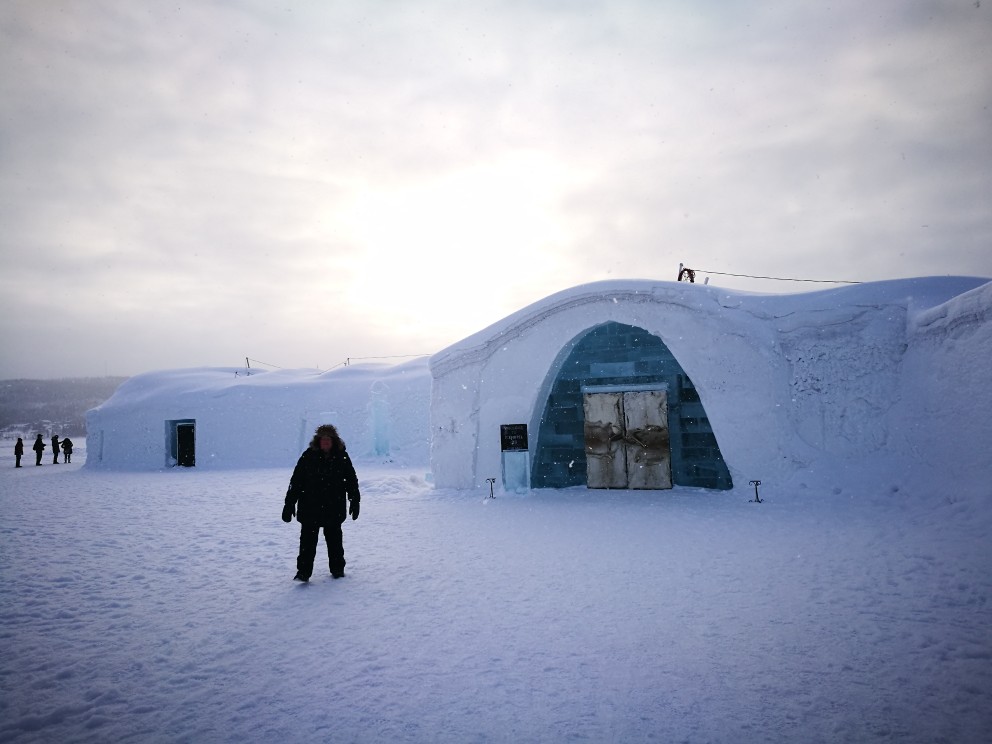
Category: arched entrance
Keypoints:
(620, 359)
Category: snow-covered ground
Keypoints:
(853, 605)
(160, 607)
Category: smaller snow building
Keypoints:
(224, 418)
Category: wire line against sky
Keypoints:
(775, 278)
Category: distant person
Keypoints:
(55, 449)
(66, 450)
(323, 478)
(18, 452)
(38, 448)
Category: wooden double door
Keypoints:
(627, 440)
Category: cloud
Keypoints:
(418, 170)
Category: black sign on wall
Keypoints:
(513, 437)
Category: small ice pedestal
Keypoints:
(516, 458)
(516, 471)
(379, 405)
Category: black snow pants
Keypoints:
(309, 535)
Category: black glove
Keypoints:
(354, 506)
(288, 512)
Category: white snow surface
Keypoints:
(854, 604)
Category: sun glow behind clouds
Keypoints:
(460, 241)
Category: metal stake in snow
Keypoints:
(756, 499)
(491, 481)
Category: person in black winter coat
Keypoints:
(18, 452)
(55, 449)
(67, 450)
(38, 448)
(322, 481)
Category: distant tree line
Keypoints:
(29, 407)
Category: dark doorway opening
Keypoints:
(181, 443)
(186, 444)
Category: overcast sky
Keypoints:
(305, 182)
